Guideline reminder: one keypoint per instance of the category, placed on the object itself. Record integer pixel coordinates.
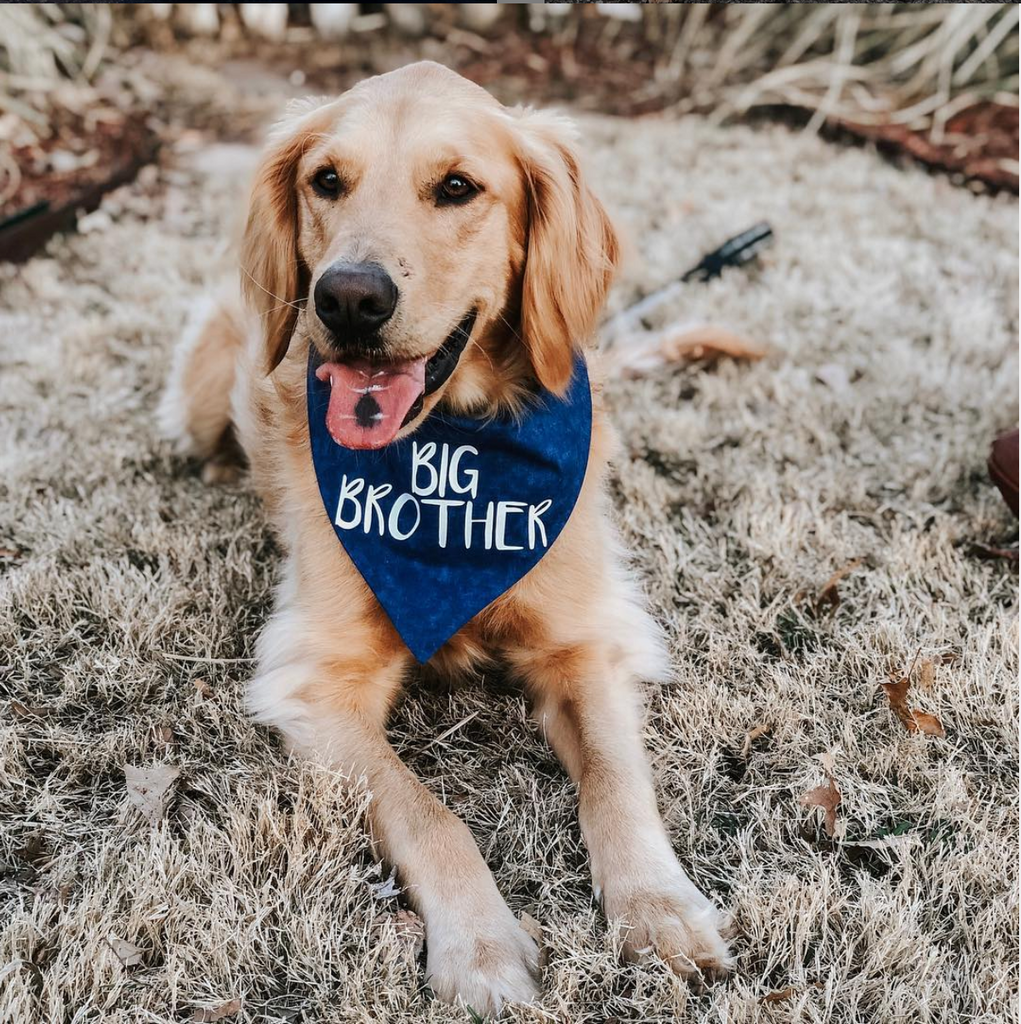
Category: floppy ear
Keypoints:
(273, 278)
(571, 251)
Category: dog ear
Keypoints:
(273, 278)
(571, 250)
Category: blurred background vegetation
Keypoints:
(88, 92)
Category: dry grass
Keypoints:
(746, 485)
(907, 63)
(870, 63)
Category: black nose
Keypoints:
(355, 299)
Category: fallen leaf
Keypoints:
(533, 930)
(709, 344)
(897, 694)
(151, 789)
(826, 796)
(9, 553)
(26, 710)
(163, 735)
(203, 687)
(828, 599)
(928, 724)
(206, 1015)
(911, 718)
(638, 355)
(750, 737)
(778, 996)
(128, 953)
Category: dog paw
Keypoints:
(679, 926)
(484, 964)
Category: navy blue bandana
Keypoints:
(443, 522)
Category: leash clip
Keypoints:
(733, 253)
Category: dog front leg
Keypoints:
(477, 952)
(589, 713)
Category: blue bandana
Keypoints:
(443, 522)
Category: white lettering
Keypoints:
(349, 492)
(470, 521)
(444, 457)
(449, 473)
(361, 505)
(535, 523)
(444, 505)
(420, 460)
(394, 520)
(504, 509)
(372, 496)
(470, 475)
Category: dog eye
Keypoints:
(455, 188)
(326, 183)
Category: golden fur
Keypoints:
(535, 253)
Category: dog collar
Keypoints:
(442, 522)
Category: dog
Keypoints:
(418, 233)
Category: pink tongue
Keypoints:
(368, 403)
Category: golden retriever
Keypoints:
(413, 204)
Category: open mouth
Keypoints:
(370, 401)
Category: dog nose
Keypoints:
(355, 298)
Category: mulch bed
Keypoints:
(974, 144)
(66, 174)
(621, 79)
(87, 155)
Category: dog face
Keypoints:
(432, 245)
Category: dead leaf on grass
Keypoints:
(828, 797)
(706, 344)
(209, 1014)
(928, 724)
(9, 553)
(128, 953)
(26, 710)
(163, 735)
(709, 344)
(897, 694)
(204, 689)
(828, 598)
(756, 732)
(911, 718)
(151, 789)
(533, 930)
(778, 996)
